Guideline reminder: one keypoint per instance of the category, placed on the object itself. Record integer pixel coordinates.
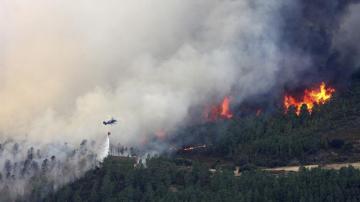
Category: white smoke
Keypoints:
(67, 65)
(43, 168)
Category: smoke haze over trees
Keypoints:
(45, 169)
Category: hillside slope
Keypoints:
(331, 133)
(164, 180)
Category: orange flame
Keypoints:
(319, 95)
(225, 108)
(220, 111)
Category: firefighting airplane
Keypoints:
(110, 122)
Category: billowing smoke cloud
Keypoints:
(319, 30)
(68, 65)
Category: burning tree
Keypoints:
(310, 97)
(221, 111)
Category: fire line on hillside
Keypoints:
(191, 148)
(319, 95)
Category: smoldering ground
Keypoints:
(67, 65)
